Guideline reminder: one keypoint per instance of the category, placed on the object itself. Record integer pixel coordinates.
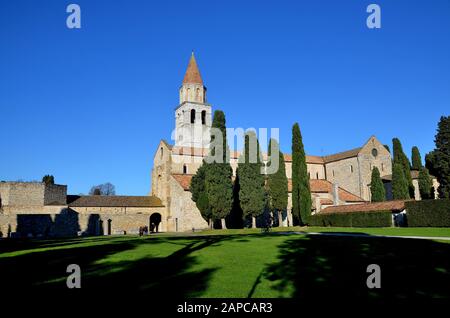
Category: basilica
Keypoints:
(338, 183)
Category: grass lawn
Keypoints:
(232, 265)
(389, 231)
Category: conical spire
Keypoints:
(192, 75)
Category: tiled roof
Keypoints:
(195, 151)
(414, 175)
(192, 75)
(184, 180)
(309, 159)
(325, 186)
(326, 202)
(398, 205)
(113, 201)
(342, 155)
(317, 186)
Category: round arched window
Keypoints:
(374, 152)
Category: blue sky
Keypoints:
(90, 105)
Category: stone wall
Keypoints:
(22, 193)
(346, 173)
(183, 211)
(55, 194)
(58, 221)
(32, 194)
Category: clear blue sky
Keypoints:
(90, 106)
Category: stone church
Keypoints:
(35, 209)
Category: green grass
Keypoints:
(231, 265)
(389, 231)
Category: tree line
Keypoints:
(437, 164)
(253, 192)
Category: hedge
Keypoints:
(435, 213)
(353, 219)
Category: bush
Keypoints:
(435, 213)
(354, 219)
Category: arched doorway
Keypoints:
(155, 220)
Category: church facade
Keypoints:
(337, 179)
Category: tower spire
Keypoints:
(192, 75)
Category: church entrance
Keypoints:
(155, 220)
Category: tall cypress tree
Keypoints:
(425, 184)
(301, 193)
(218, 181)
(277, 183)
(416, 159)
(400, 158)
(199, 195)
(442, 157)
(399, 184)
(378, 193)
(252, 195)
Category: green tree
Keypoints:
(48, 179)
(218, 181)
(399, 184)
(199, 195)
(301, 193)
(252, 195)
(430, 163)
(416, 159)
(425, 184)
(400, 158)
(277, 183)
(442, 157)
(378, 193)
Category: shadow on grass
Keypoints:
(321, 266)
(156, 276)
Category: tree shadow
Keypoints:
(158, 276)
(330, 267)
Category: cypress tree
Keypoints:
(430, 163)
(399, 184)
(218, 181)
(301, 193)
(199, 195)
(377, 190)
(252, 195)
(416, 159)
(425, 184)
(277, 183)
(400, 158)
(442, 157)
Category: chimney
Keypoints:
(335, 193)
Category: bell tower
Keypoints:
(193, 114)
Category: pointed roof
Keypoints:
(192, 75)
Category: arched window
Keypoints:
(317, 175)
(162, 152)
(192, 116)
(203, 117)
(197, 94)
(184, 169)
